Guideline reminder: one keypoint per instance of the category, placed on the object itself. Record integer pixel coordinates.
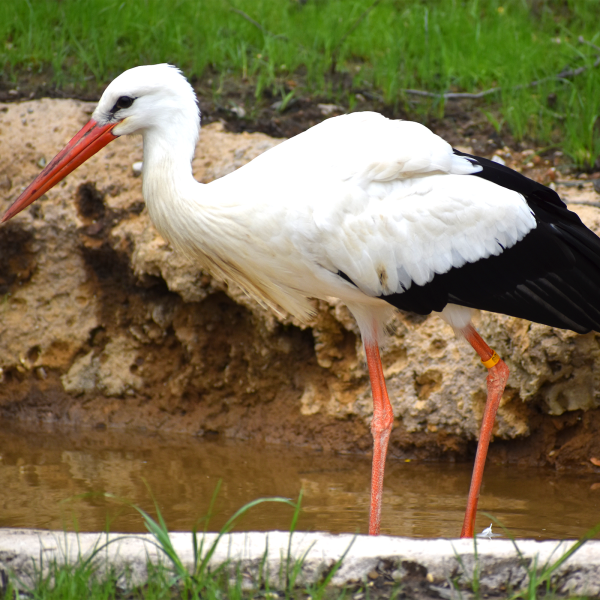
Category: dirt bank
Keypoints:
(103, 325)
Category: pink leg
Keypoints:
(381, 426)
(496, 382)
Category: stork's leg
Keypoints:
(381, 426)
(496, 382)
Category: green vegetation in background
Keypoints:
(333, 49)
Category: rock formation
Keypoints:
(103, 324)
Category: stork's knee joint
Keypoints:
(382, 423)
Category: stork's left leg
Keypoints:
(496, 382)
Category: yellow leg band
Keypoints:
(492, 361)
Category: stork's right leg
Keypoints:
(496, 382)
(381, 426)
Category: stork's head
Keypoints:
(143, 98)
(154, 99)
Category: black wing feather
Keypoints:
(552, 276)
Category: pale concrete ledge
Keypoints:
(432, 562)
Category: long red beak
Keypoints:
(86, 143)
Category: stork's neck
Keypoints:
(168, 155)
(168, 182)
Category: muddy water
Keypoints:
(55, 479)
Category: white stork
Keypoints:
(381, 214)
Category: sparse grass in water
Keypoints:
(171, 580)
(58, 581)
(335, 49)
(539, 576)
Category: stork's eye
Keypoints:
(122, 102)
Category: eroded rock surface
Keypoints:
(101, 322)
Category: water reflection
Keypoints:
(44, 475)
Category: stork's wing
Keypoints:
(551, 276)
(387, 203)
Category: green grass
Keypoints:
(334, 49)
(539, 576)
